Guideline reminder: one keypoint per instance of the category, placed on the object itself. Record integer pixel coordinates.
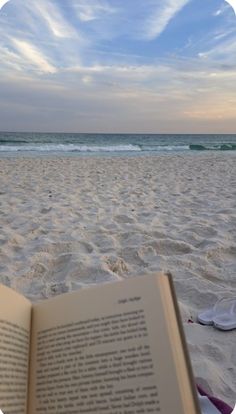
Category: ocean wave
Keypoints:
(165, 148)
(81, 148)
(68, 148)
(213, 147)
(7, 141)
(90, 148)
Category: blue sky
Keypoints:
(118, 66)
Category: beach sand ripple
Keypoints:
(72, 222)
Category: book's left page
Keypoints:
(15, 321)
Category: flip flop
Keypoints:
(206, 316)
(222, 306)
(225, 320)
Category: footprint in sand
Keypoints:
(165, 248)
(45, 210)
(67, 247)
(116, 265)
(123, 219)
(204, 231)
(222, 257)
(131, 255)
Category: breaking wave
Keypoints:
(216, 147)
(69, 148)
(21, 146)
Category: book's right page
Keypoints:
(104, 350)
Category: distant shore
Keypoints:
(70, 222)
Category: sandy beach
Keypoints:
(72, 222)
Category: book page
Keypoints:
(104, 349)
(15, 319)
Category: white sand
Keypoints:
(72, 222)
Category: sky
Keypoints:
(141, 66)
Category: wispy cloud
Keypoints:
(12, 60)
(161, 16)
(92, 10)
(33, 56)
(224, 51)
(58, 25)
(115, 63)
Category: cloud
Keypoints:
(54, 19)
(93, 10)
(218, 12)
(38, 36)
(34, 56)
(223, 52)
(162, 16)
(87, 79)
(128, 98)
(67, 63)
(11, 60)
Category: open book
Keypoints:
(116, 348)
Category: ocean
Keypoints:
(16, 143)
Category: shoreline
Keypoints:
(71, 222)
(109, 154)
